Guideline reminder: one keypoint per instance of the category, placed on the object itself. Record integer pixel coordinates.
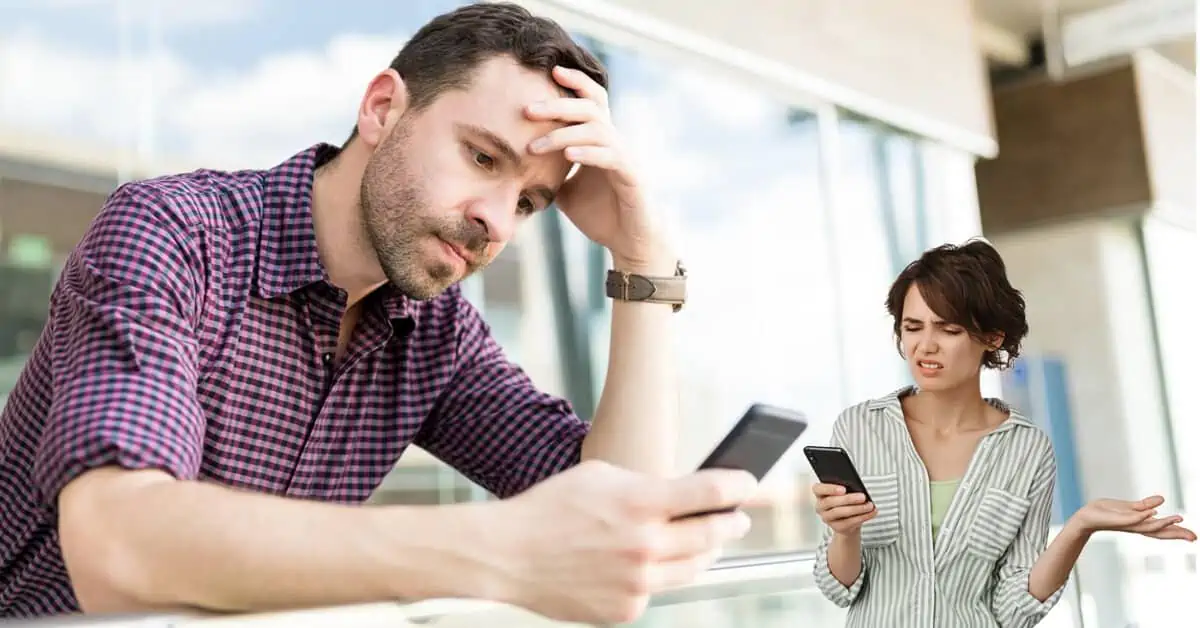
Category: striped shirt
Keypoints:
(975, 574)
(194, 330)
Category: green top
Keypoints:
(940, 494)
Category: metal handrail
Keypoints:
(759, 574)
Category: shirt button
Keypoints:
(326, 357)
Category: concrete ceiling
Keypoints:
(1023, 18)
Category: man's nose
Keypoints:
(497, 216)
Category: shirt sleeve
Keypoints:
(123, 348)
(1012, 604)
(830, 586)
(492, 424)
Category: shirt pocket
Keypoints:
(884, 528)
(997, 521)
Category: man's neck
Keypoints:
(342, 241)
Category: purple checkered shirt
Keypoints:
(191, 331)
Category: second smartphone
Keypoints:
(833, 466)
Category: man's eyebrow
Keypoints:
(509, 154)
(498, 143)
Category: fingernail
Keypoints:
(537, 107)
(539, 144)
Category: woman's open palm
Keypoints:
(1137, 517)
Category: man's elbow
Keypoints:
(109, 572)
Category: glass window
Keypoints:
(870, 253)
(1170, 253)
(732, 174)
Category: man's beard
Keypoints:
(399, 222)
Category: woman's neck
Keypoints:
(960, 409)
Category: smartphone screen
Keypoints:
(759, 439)
(834, 466)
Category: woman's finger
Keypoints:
(1175, 532)
(847, 512)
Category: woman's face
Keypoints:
(940, 355)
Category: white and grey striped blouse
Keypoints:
(975, 574)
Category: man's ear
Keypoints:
(382, 106)
(995, 341)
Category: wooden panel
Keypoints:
(1167, 94)
(1067, 151)
(918, 60)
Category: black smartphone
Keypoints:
(833, 466)
(756, 442)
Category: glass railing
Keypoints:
(762, 591)
(1126, 581)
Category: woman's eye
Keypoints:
(912, 329)
(526, 206)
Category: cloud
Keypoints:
(283, 103)
(67, 91)
(168, 15)
(252, 118)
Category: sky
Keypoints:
(237, 81)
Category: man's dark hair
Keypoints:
(445, 52)
(966, 285)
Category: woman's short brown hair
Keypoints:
(966, 285)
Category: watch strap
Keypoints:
(635, 287)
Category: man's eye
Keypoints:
(483, 160)
(912, 329)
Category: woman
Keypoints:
(962, 485)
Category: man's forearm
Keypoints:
(636, 421)
(189, 544)
(845, 558)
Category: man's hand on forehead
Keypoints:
(603, 198)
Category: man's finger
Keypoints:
(582, 84)
(685, 538)
(668, 575)
(566, 110)
(708, 490)
(590, 134)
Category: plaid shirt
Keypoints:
(192, 331)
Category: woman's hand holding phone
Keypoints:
(844, 513)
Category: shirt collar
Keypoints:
(288, 259)
(890, 406)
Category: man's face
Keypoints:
(443, 193)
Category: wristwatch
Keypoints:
(634, 287)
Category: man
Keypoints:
(233, 361)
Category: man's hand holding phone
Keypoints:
(844, 513)
(594, 543)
